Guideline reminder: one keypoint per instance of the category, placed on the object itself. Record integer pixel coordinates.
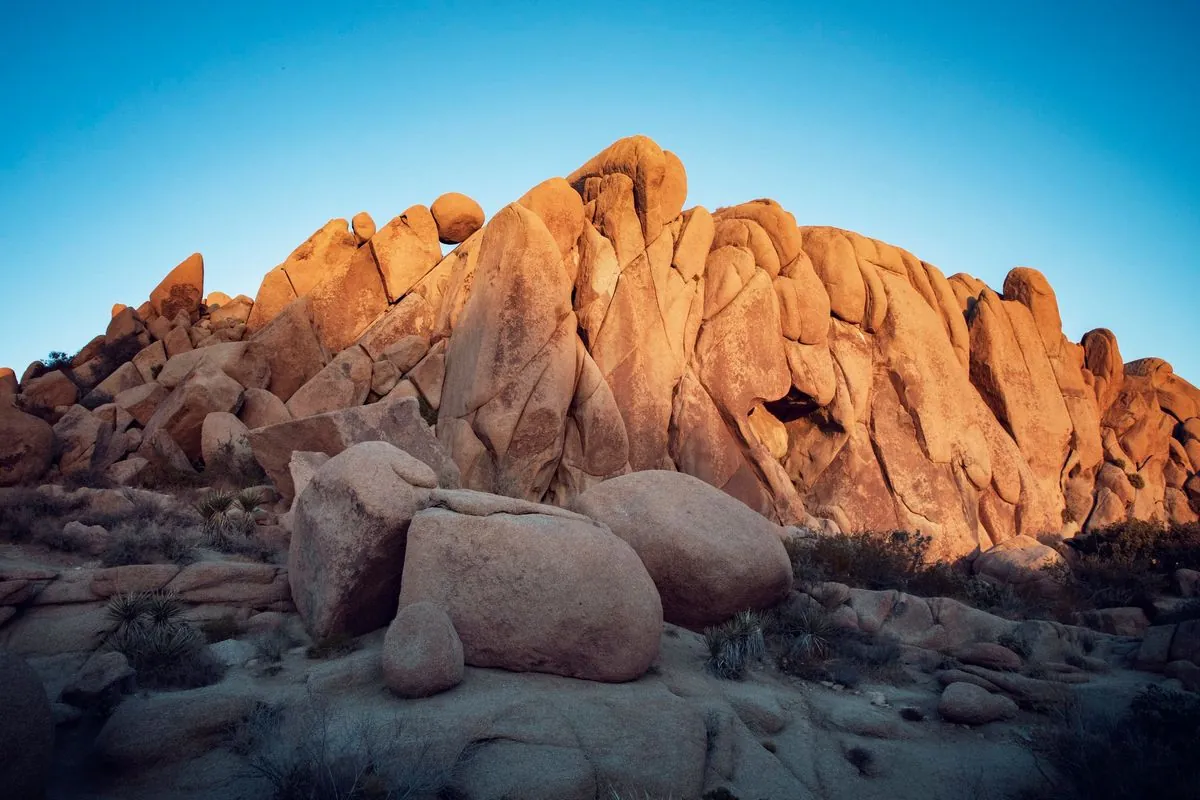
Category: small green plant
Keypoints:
(57, 359)
(735, 645)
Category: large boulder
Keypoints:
(26, 730)
(533, 588)
(422, 654)
(405, 250)
(182, 289)
(457, 217)
(48, 392)
(292, 349)
(709, 555)
(82, 440)
(223, 444)
(348, 538)
(247, 365)
(397, 422)
(26, 446)
(182, 414)
(343, 383)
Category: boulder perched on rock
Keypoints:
(397, 422)
(348, 538)
(533, 588)
(422, 654)
(26, 446)
(26, 729)
(968, 704)
(457, 217)
(709, 555)
(343, 383)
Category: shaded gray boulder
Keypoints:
(26, 730)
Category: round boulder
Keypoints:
(968, 704)
(26, 729)
(709, 555)
(1019, 560)
(422, 654)
(457, 217)
(26, 446)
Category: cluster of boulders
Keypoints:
(595, 327)
(468, 577)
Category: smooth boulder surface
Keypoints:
(709, 555)
(348, 538)
(457, 217)
(968, 704)
(26, 730)
(422, 654)
(533, 588)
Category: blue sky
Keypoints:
(979, 136)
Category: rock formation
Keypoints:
(596, 327)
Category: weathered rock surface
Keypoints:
(397, 422)
(709, 555)
(348, 538)
(533, 588)
(26, 446)
(595, 327)
(422, 654)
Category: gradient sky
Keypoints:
(980, 136)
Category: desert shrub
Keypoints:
(1130, 563)
(862, 760)
(306, 752)
(735, 645)
(227, 468)
(873, 560)
(165, 650)
(333, 646)
(27, 514)
(149, 544)
(1136, 480)
(270, 646)
(87, 479)
(56, 359)
(806, 643)
(113, 354)
(1147, 752)
(220, 629)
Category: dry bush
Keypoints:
(1147, 752)
(806, 643)
(1130, 563)
(307, 752)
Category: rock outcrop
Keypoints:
(596, 326)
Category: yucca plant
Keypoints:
(228, 513)
(127, 610)
(735, 644)
(806, 635)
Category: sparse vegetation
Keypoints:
(56, 359)
(735, 645)
(1136, 480)
(166, 651)
(1147, 752)
(1129, 564)
(307, 753)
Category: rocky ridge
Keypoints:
(595, 327)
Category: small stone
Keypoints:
(422, 654)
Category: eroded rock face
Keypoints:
(595, 327)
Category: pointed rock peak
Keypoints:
(181, 290)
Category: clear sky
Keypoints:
(980, 136)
